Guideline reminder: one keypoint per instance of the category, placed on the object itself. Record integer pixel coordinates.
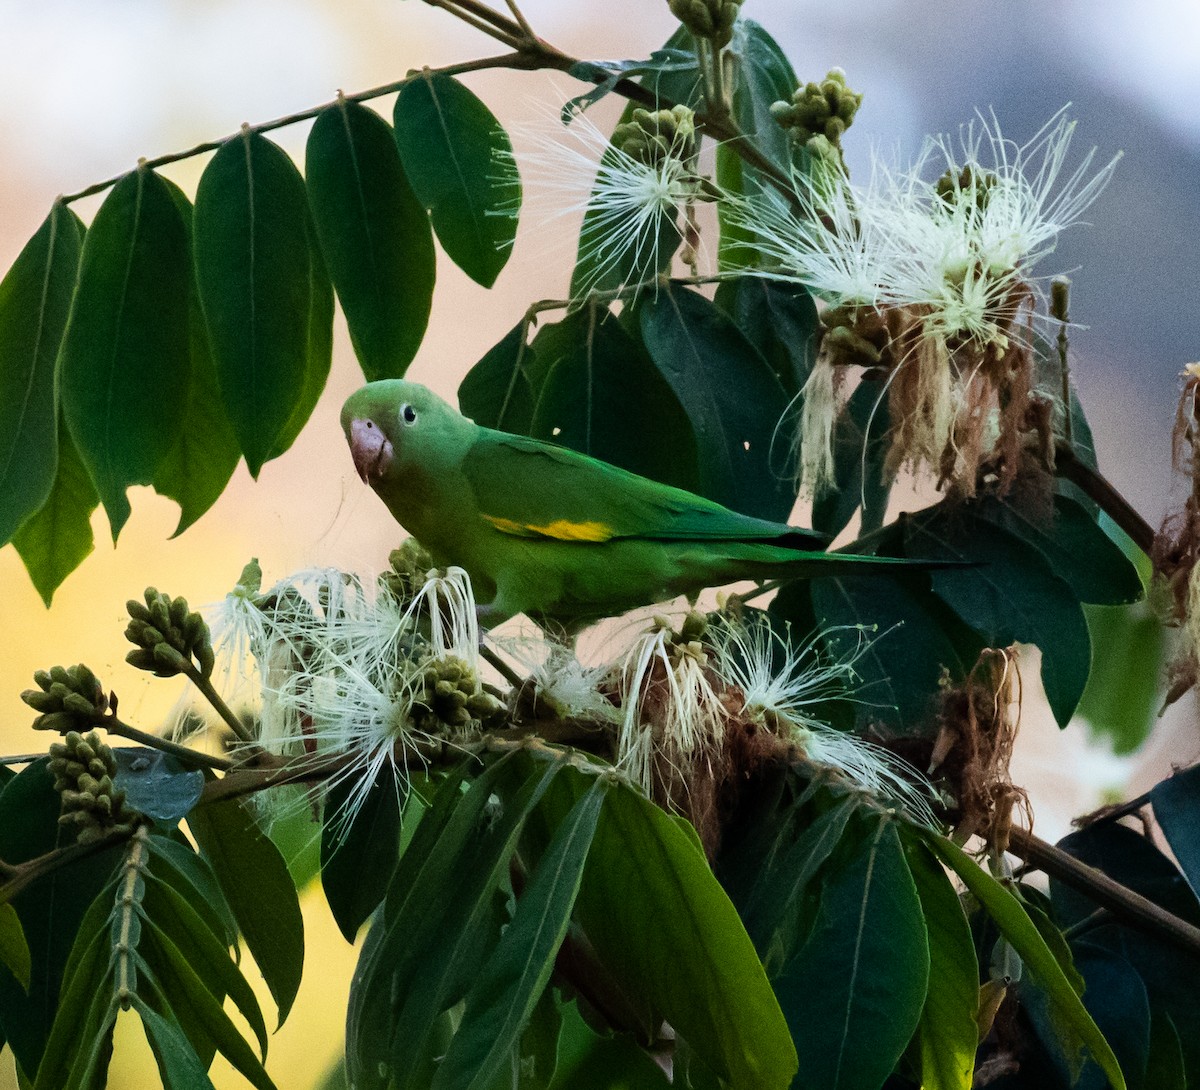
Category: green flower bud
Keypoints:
(655, 136)
(83, 768)
(452, 699)
(709, 19)
(66, 698)
(824, 109)
(411, 564)
(168, 636)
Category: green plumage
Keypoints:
(551, 533)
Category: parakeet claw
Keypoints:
(370, 448)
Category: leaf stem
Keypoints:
(164, 745)
(205, 685)
(496, 662)
(1123, 903)
(1102, 492)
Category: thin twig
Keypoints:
(1126, 905)
(164, 745)
(507, 672)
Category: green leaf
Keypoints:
(35, 296)
(459, 161)
(14, 950)
(1176, 802)
(663, 926)
(205, 453)
(503, 997)
(1116, 998)
(188, 997)
(253, 269)
(178, 1064)
(1019, 930)
(765, 76)
(1164, 1065)
(177, 864)
(853, 995)
(1078, 550)
(604, 397)
(704, 356)
(256, 883)
(607, 74)
(158, 785)
(949, 1033)
(360, 844)
(496, 392)
(374, 234)
(50, 909)
(124, 366)
(537, 1054)
(780, 320)
(1010, 595)
(54, 541)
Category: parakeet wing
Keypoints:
(533, 489)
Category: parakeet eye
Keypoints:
(408, 414)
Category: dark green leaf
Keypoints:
(537, 1053)
(1010, 595)
(14, 950)
(54, 541)
(853, 995)
(196, 1007)
(186, 872)
(253, 268)
(607, 74)
(50, 909)
(374, 234)
(158, 785)
(1164, 1066)
(662, 925)
(1116, 998)
(256, 883)
(704, 357)
(1020, 931)
(198, 466)
(205, 951)
(35, 296)
(780, 320)
(1078, 550)
(178, 1064)
(360, 843)
(858, 474)
(765, 76)
(124, 367)
(735, 249)
(948, 1031)
(460, 163)
(605, 398)
(1176, 802)
(518, 970)
(496, 391)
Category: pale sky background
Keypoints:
(87, 88)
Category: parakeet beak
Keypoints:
(370, 448)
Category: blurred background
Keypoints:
(85, 89)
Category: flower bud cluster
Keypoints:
(65, 695)
(410, 564)
(654, 136)
(451, 697)
(819, 110)
(168, 636)
(709, 19)
(83, 768)
(689, 640)
(969, 182)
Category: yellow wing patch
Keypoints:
(560, 529)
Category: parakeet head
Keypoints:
(396, 428)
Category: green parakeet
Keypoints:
(552, 533)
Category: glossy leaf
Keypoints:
(1019, 930)
(502, 999)
(125, 363)
(603, 397)
(158, 785)
(607, 74)
(178, 1064)
(54, 541)
(496, 392)
(185, 871)
(765, 76)
(205, 453)
(704, 356)
(253, 272)
(14, 950)
(780, 320)
(374, 234)
(1176, 802)
(256, 883)
(1078, 550)
(50, 909)
(1010, 595)
(949, 1033)
(669, 934)
(35, 296)
(459, 161)
(854, 993)
(1116, 998)
(360, 844)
